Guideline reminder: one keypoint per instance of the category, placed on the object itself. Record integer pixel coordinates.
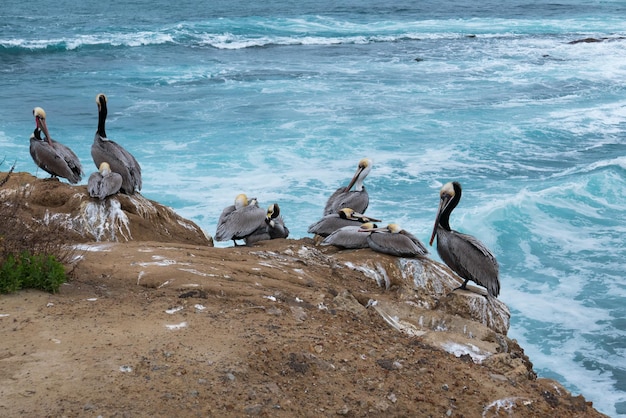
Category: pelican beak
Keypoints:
(443, 202)
(41, 124)
(376, 229)
(354, 179)
(363, 218)
(275, 211)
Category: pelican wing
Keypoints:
(329, 224)
(347, 237)
(394, 244)
(470, 259)
(357, 200)
(240, 223)
(102, 186)
(260, 234)
(94, 185)
(54, 160)
(269, 230)
(71, 159)
(422, 248)
(277, 228)
(120, 161)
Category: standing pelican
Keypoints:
(50, 155)
(345, 198)
(344, 217)
(464, 254)
(350, 237)
(396, 241)
(120, 160)
(240, 220)
(272, 227)
(104, 182)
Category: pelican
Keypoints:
(272, 227)
(464, 254)
(240, 220)
(50, 155)
(396, 241)
(345, 198)
(120, 160)
(344, 217)
(104, 182)
(350, 237)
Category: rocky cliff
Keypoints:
(80, 218)
(155, 321)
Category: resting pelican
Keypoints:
(396, 241)
(104, 182)
(272, 227)
(464, 254)
(120, 160)
(350, 237)
(344, 217)
(240, 220)
(50, 155)
(357, 199)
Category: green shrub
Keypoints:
(10, 280)
(27, 271)
(32, 252)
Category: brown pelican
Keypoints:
(357, 199)
(344, 217)
(120, 160)
(104, 182)
(273, 227)
(240, 220)
(396, 241)
(50, 155)
(464, 254)
(350, 237)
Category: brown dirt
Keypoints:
(267, 333)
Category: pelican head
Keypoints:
(368, 227)
(40, 121)
(101, 98)
(346, 213)
(364, 168)
(241, 200)
(104, 168)
(450, 192)
(273, 211)
(391, 228)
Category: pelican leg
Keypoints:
(463, 286)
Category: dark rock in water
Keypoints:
(118, 218)
(594, 40)
(587, 41)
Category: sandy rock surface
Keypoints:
(279, 329)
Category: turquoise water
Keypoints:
(280, 100)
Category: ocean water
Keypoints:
(280, 99)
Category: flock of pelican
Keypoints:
(343, 223)
(345, 226)
(118, 170)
